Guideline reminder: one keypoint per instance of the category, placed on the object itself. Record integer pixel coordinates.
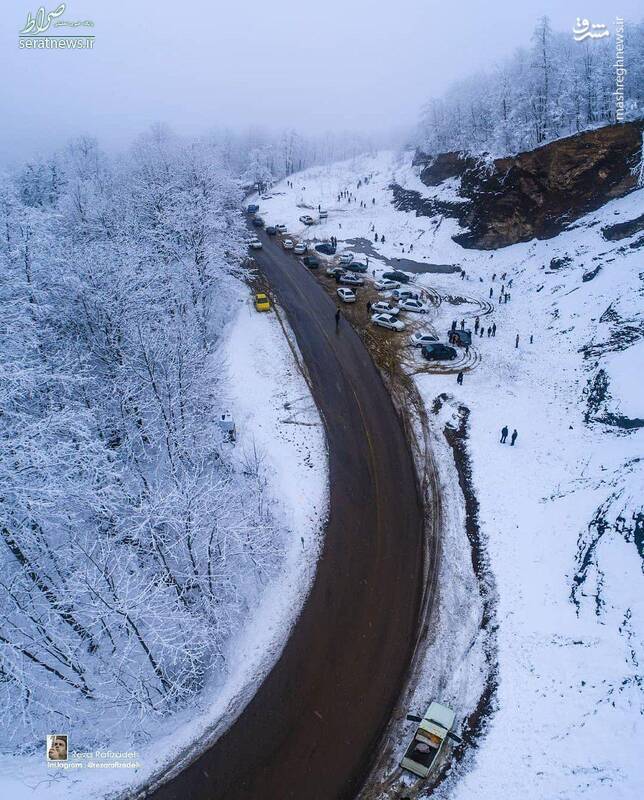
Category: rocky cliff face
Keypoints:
(533, 194)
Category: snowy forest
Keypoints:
(131, 545)
(555, 87)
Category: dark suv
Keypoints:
(401, 277)
(438, 352)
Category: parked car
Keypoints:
(345, 258)
(383, 285)
(356, 266)
(300, 248)
(428, 740)
(438, 352)
(325, 247)
(288, 244)
(271, 230)
(346, 295)
(404, 294)
(384, 308)
(351, 280)
(307, 219)
(420, 338)
(460, 337)
(255, 244)
(323, 214)
(280, 228)
(411, 304)
(388, 321)
(333, 271)
(262, 303)
(258, 222)
(310, 262)
(396, 275)
(253, 208)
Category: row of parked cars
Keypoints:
(348, 273)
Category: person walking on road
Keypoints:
(368, 307)
(513, 438)
(459, 378)
(504, 434)
(337, 320)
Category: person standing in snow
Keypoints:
(504, 434)
(513, 438)
(382, 238)
(531, 338)
(459, 378)
(489, 332)
(373, 201)
(462, 324)
(510, 283)
(516, 342)
(491, 292)
(493, 277)
(494, 329)
(375, 237)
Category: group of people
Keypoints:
(504, 435)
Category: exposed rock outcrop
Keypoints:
(534, 194)
(623, 229)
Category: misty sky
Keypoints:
(315, 66)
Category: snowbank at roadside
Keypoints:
(279, 431)
(559, 514)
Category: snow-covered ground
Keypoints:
(560, 513)
(280, 432)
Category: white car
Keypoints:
(280, 228)
(404, 294)
(333, 271)
(346, 295)
(255, 244)
(288, 244)
(300, 248)
(345, 258)
(352, 280)
(385, 285)
(421, 338)
(411, 304)
(384, 308)
(388, 321)
(307, 219)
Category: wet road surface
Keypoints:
(312, 730)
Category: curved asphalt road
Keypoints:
(312, 729)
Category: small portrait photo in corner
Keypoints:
(57, 747)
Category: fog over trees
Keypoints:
(555, 87)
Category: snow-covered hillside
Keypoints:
(560, 514)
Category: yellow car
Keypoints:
(262, 303)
